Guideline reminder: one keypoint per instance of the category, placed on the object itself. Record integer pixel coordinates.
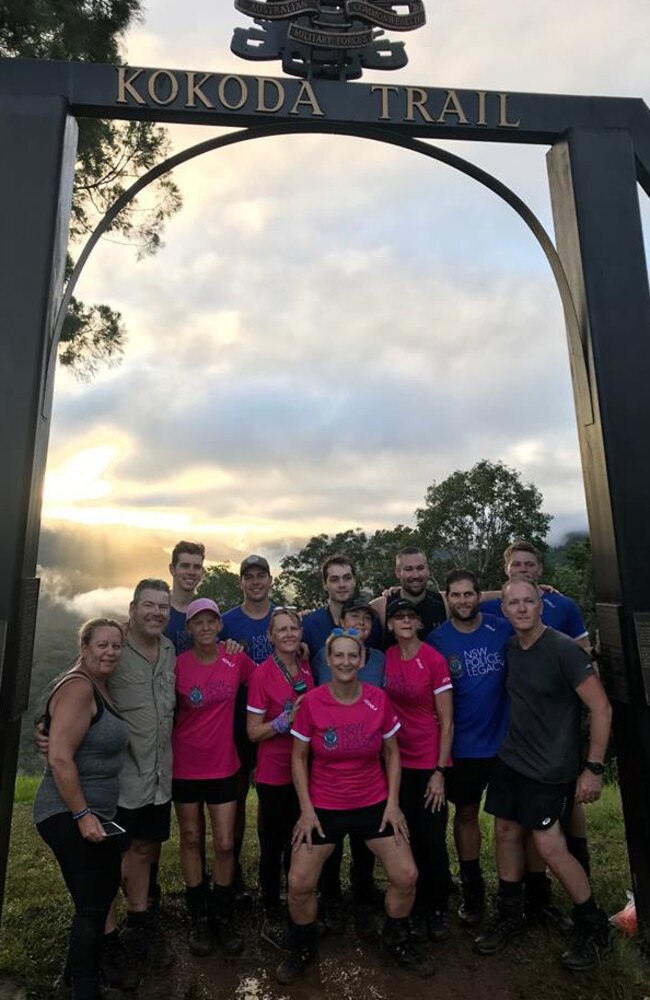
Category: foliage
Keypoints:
(570, 570)
(301, 575)
(373, 557)
(469, 518)
(222, 585)
(110, 154)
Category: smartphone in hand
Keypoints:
(111, 829)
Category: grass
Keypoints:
(37, 910)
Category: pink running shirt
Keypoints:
(269, 694)
(411, 686)
(346, 741)
(202, 739)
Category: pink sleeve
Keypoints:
(303, 724)
(389, 723)
(257, 700)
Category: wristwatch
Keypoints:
(595, 767)
(439, 767)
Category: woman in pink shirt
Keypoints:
(274, 695)
(417, 681)
(205, 765)
(348, 730)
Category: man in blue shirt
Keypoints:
(248, 624)
(473, 644)
(186, 569)
(339, 582)
(522, 561)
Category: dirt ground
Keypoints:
(352, 970)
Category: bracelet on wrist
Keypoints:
(82, 813)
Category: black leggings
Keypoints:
(278, 813)
(427, 831)
(92, 874)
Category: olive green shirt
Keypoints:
(144, 694)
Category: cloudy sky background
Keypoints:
(332, 324)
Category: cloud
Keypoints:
(334, 323)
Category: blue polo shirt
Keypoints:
(318, 625)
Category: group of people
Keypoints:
(362, 718)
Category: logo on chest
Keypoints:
(330, 738)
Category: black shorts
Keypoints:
(214, 791)
(146, 823)
(363, 823)
(466, 781)
(535, 805)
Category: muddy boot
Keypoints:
(145, 941)
(397, 940)
(507, 924)
(472, 906)
(116, 966)
(221, 914)
(199, 938)
(304, 952)
(592, 938)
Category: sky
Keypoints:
(332, 324)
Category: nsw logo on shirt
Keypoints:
(330, 738)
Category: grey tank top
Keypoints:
(99, 760)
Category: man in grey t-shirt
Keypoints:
(538, 773)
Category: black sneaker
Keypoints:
(333, 917)
(364, 921)
(593, 938)
(472, 906)
(292, 967)
(116, 967)
(399, 944)
(275, 931)
(438, 925)
(508, 924)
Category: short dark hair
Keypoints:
(150, 583)
(410, 550)
(521, 545)
(461, 574)
(338, 559)
(192, 549)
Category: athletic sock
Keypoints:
(586, 909)
(510, 889)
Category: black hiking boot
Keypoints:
(115, 966)
(303, 953)
(472, 906)
(419, 925)
(221, 914)
(199, 938)
(507, 924)
(146, 944)
(592, 938)
(398, 942)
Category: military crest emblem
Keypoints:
(327, 39)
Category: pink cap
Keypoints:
(201, 604)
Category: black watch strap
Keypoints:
(595, 767)
(439, 767)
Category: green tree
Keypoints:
(378, 564)
(110, 154)
(569, 569)
(469, 518)
(301, 576)
(222, 585)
